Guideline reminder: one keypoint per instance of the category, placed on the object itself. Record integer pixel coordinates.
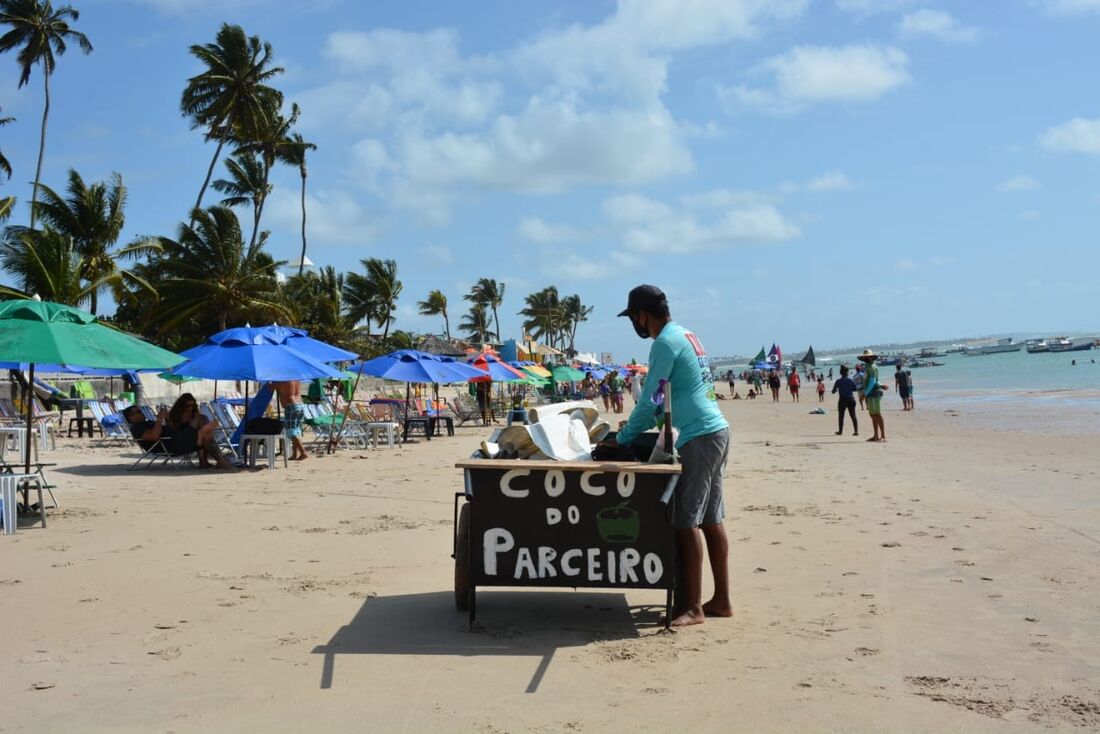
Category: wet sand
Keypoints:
(943, 581)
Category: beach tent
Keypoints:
(809, 358)
(41, 332)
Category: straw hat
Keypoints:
(867, 356)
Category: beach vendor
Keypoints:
(677, 358)
(290, 400)
(872, 394)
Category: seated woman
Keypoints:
(188, 431)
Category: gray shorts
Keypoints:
(699, 492)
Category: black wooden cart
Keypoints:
(564, 524)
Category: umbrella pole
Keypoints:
(347, 409)
(28, 399)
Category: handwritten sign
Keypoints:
(564, 527)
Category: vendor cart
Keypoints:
(564, 524)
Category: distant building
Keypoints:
(606, 358)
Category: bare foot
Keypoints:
(874, 439)
(715, 608)
(689, 617)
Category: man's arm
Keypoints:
(644, 417)
(154, 433)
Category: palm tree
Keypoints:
(491, 293)
(92, 217)
(209, 277)
(294, 154)
(573, 313)
(45, 263)
(6, 205)
(317, 300)
(245, 185)
(5, 166)
(382, 275)
(476, 323)
(268, 140)
(39, 31)
(435, 305)
(543, 315)
(232, 92)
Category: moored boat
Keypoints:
(1037, 346)
(1002, 346)
(1068, 345)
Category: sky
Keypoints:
(826, 172)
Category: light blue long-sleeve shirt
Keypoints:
(677, 356)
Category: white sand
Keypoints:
(946, 580)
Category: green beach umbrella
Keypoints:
(565, 373)
(178, 379)
(41, 332)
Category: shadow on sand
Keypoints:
(534, 623)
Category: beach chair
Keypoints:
(223, 434)
(112, 426)
(465, 409)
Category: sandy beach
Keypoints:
(943, 581)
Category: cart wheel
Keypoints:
(462, 560)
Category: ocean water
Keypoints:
(1045, 390)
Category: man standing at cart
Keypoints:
(677, 358)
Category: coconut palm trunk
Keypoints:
(210, 170)
(259, 209)
(302, 259)
(41, 148)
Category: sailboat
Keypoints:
(808, 358)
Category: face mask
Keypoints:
(639, 329)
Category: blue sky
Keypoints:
(833, 172)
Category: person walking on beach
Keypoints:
(820, 389)
(793, 383)
(757, 382)
(903, 381)
(637, 380)
(290, 400)
(858, 379)
(872, 395)
(678, 359)
(774, 383)
(846, 386)
(615, 385)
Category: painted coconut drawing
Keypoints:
(618, 524)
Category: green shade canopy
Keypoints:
(178, 379)
(43, 332)
(564, 373)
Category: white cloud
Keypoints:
(646, 225)
(723, 198)
(831, 181)
(577, 105)
(869, 7)
(436, 255)
(334, 217)
(1079, 135)
(938, 24)
(627, 54)
(1021, 182)
(535, 229)
(1068, 7)
(547, 148)
(811, 74)
(575, 267)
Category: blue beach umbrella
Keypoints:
(410, 365)
(306, 344)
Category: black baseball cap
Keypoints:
(645, 298)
